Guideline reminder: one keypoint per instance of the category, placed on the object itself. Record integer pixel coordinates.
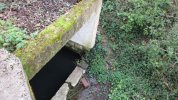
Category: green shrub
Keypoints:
(126, 87)
(95, 58)
(11, 37)
(143, 17)
(2, 6)
(147, 48)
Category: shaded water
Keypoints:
(51, 77)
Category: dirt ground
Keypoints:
(34, 16)
(96, 91)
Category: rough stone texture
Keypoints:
(50, 40)
(62, 93)
(75, 47)
(13, 83)
(75, 76)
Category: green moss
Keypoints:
(48, 37)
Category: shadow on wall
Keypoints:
(51, 77)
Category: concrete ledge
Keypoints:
(62, 93)
(75, 76)
(49, 41)
(87, 34)
(76, 47)
(72, 80)
(13, 83)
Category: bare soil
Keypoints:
(96, 91)
(36, 15)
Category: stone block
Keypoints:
(75, 76)
(13, 83)
(62, 93)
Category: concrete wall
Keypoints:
(87, 34)
(13, 83)
(79, 26)
(49, 41)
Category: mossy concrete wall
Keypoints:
(84, 39)
(49, 41)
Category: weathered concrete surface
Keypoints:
(82, 64)
(75, 47)
(49, 41)
(13, 83)
(87, 34)
(62, 93)
(75, 76)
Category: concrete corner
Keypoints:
(13, 84)
(75, 76)
(87, 34)
(62, 93)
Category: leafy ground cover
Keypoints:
(21, 20)
(12, 37)
(34, 15)
(140, 56)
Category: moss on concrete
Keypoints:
(50, 40)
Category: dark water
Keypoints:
(50, 78)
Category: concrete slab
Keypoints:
(75, 76)
(62, 93)
(13, 83)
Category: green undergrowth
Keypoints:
(2, 6)
(12, 37)
(143, 37)
(95, 58)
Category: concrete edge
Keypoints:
(50, 40)
(72, 80)
(13, 81)
(75, 76)
(62, 92)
